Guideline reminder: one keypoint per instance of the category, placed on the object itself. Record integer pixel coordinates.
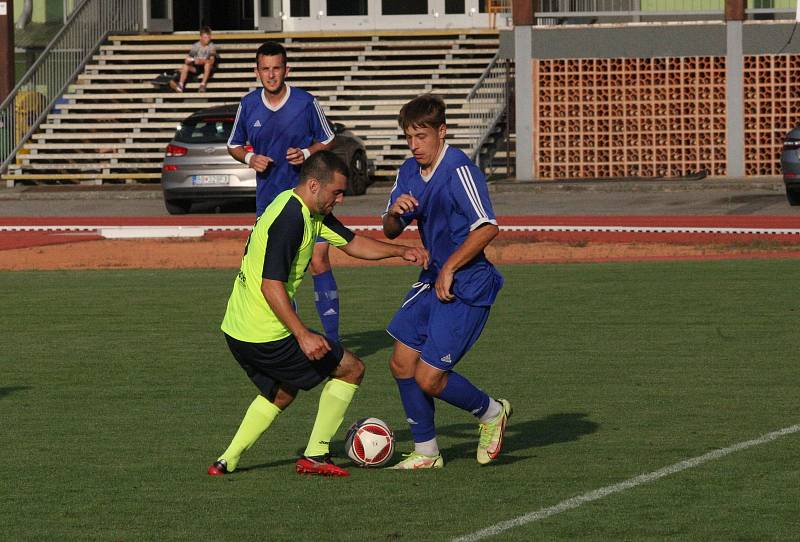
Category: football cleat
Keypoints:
(219, 468)
(416, 460)
(320, 464)
(491, 434)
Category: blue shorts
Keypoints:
(441, 332)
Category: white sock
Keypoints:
(492, 412)
(429, 447)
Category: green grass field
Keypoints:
(117, 391)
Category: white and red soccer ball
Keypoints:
(369, 442)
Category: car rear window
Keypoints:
(205, 130)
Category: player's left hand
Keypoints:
(295, 156)
(418, 256)
(444, 285)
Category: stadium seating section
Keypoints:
(113, 124)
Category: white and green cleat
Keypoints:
(490, 442)
(415, 460)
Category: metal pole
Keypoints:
(7, 77)
(734, 83)
(508, 118)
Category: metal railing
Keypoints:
(487, 102)
(582, 11)
(42, 86)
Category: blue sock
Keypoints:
(326, 297)
(463, 394)
(419, 409)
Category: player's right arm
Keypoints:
(313, 345)
(284, 238)
(393, 222)
(258, 162)
(401, 205)
(238, 140)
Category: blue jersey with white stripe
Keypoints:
(453, 201)
(298, 121)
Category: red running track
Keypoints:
(20, 232)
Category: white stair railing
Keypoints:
(34, 96)
(486, 103)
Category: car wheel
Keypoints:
(793, 195)
(177, 206)
(358, 174)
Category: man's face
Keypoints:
(205, 39)
(271, 71)
(425, 143)
(331, 194)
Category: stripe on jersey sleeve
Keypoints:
(233, 129)
(468, 183)
(323, 121)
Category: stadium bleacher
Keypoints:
(113, 124)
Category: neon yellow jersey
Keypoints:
(278, 248)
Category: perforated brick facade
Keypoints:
(647, 117)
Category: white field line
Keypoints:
(598, 494)
(181, 230)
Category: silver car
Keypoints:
(197, 166)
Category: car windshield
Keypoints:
(205, 130)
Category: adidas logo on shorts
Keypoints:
(446, 359)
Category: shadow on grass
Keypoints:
(520, 435)
(367, 343)
(11, 389)
(276, 463)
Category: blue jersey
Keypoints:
(453, 201)
(298, 121)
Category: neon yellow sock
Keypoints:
(257, 419)
(335, 398)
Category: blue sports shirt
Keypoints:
(453, 201)
(298, 121)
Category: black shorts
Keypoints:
(283, 362)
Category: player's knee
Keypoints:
(353, 368)
(431, 383)
(360, 369)
(283, 396)
(400, 369)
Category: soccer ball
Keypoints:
(369, 442)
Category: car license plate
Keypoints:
(209, 179)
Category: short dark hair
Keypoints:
(426, 110)
(321, 166)
(205, 30)
(271, 48)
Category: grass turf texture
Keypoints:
(118, 391)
